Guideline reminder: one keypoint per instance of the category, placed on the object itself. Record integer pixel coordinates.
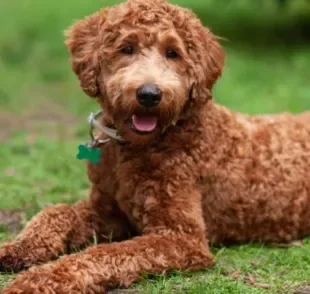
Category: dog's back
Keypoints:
(260, 188)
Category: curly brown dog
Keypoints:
(187, 174)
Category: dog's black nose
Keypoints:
(149, 95)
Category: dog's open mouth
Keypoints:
(144, 123)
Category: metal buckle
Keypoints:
(92, 119)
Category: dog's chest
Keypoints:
(135, 189)
(131, 204)
(143, 183)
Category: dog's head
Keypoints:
(148, 63)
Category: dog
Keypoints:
(183, 173)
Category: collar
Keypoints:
(110, 132)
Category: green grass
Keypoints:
(43, 119)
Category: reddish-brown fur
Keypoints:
(206, 175)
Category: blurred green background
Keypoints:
(43, 111)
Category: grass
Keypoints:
(43, 119)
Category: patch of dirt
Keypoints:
(249, 279)
(298, 243)
(12, 219)
(304, 289)
(48, 118)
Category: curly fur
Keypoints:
(206, 175)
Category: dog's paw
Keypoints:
(48, 279)
(33, 282)
(11, 259)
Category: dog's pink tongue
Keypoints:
(144, 123)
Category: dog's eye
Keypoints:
(172, 54)
(128, 50)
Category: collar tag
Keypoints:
(86, 151)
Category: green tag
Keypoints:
(87, 152)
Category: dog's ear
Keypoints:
(82, 40)
(210, 57)
(214, 58)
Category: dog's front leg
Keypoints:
(44, 238)
(62, 228)
(174, 239)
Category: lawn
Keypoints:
(43, 118)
